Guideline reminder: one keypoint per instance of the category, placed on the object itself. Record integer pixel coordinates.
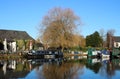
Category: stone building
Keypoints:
(12, 40)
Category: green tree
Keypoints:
(94, 40)
(20, 44)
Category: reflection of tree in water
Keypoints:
(95, 67)
(110, 69)
(65, 71)
(22, 66)
(107, 69)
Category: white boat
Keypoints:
(105, 55)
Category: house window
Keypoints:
(116, 44)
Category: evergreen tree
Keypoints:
(94, 40)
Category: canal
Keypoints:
(60, 68)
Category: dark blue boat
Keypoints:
(44, 54)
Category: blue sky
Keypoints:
(26, 15)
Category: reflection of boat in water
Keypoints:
(46, 60)
(95, 60)
(44, 54)
(76, 57)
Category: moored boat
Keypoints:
(44, 54)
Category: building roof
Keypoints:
(117, 38)
(13, 34)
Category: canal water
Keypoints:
(60, 68)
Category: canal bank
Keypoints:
(69, 54)
(10, 56)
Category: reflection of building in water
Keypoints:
(116, 64)
(4, 67)
(109, 68)
(13, 69)
(12, 64)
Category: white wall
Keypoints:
(14, 46)
(116, 43)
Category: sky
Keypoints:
(26, 15)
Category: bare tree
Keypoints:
(59, 27)
(102, 33)
(103, 36)
(111, 32)
(79, 40)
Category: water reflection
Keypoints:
(13, 68)
(61, 68)
(105, 68)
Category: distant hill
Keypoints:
(14, 34)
